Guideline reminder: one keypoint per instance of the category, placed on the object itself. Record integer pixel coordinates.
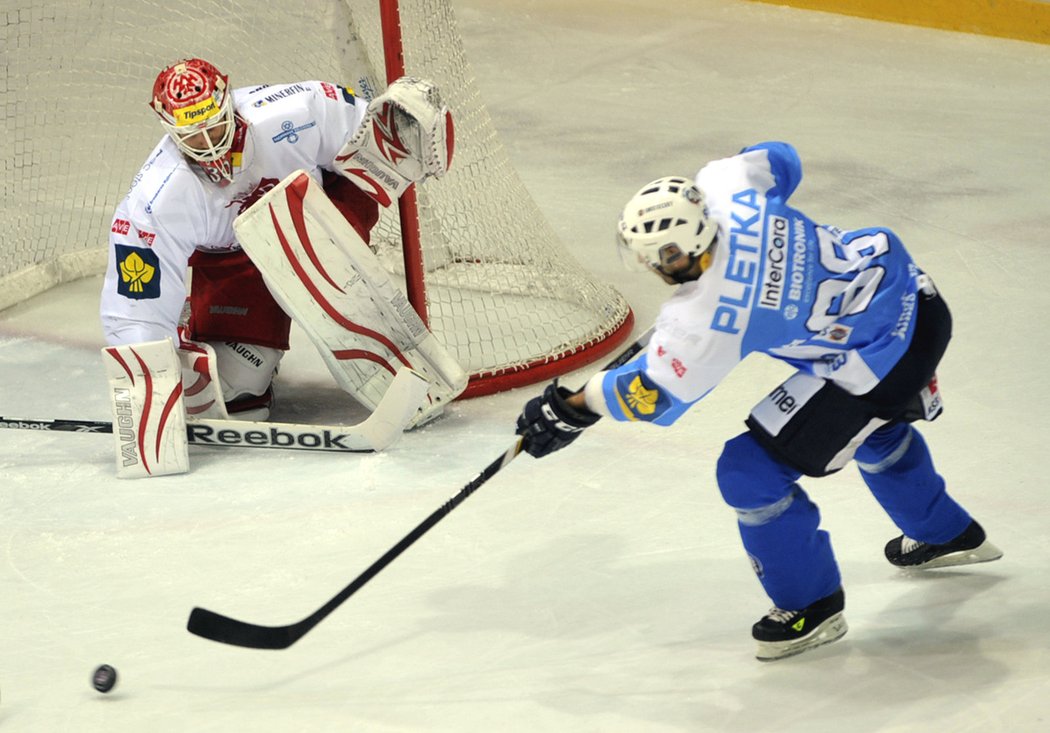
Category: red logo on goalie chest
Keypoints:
(329, 90)
(121, 226)
(245, 200)
(679, 368)
(147, 237)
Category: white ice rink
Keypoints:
(604, 588)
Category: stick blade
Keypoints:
(226, 630)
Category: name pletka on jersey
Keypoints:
(745, 240)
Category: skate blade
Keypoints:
(984, 552)
(831, 630)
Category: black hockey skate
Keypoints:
(783, 633)
(969, 547)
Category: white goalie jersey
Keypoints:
(171, 210)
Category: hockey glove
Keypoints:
(406, 136)
(549, 423)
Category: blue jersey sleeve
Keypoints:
(785, 165)
(632, 395)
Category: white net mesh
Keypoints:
(502, 292)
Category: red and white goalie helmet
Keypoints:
(193, 100)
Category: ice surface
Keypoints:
(603, 588)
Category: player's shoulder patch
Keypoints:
(337, 92)
(139, 270)
(639, 397)
(347, 94)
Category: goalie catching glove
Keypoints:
(405, 137)
(549, 423)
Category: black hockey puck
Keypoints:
(104, 678)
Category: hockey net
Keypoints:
(501, 291)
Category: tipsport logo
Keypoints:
(196, 113)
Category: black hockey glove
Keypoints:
(549, 423)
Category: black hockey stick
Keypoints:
(66, 426)
(217, 627)
(230, 433)
(376, 432)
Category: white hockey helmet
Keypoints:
(195, 106)
(666, 220)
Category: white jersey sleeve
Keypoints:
(684, 361)
(153, 233)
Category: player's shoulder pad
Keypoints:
(164, 187)
(784, 164)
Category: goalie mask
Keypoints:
(193, 100)
(665, 221)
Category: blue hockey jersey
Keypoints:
(836, 304)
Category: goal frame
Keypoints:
(486, 382)
(478, 261)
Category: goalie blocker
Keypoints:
(152, 434)
(328, 280)
(149, 419)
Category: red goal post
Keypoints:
(486, 270)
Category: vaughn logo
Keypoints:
(275, 437)
(124, 426)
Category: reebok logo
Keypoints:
(272, 438)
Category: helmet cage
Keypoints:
(193, 102)
(207, 141)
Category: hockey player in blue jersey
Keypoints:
(863, 326)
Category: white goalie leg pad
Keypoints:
(202, 389)
(327, 279)
(407, 135)
(149, 421)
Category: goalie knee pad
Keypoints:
(246, 373)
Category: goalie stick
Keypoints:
(217, 627)
(380, 430)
